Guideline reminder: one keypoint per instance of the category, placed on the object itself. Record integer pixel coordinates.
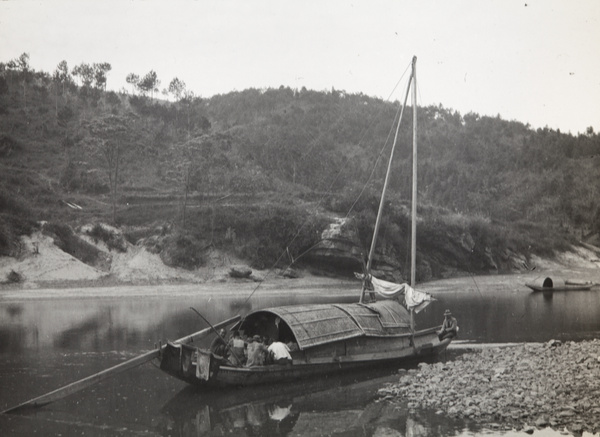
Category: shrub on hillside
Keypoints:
(76, 177)
(276, 234)
(14, 277)
(112, 239)
(15, 221)
(184, 251)
(66, 240)
(11, 229)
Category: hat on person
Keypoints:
(447, 313)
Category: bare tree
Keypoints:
(110, 135)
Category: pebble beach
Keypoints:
(525, 386)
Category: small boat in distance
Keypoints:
(546, 284)
(325, 338)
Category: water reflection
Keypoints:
(47, 343)
(305, 408)
(332, 407)
(520, 316)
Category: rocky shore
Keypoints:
(526, 387)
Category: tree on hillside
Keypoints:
(190, 162)
(62, 75)
(194, 112)
(22, 65)
(177, 88)
(85, 73)
(133, 80)
(109, 136)
(100, 72)
(149, 83)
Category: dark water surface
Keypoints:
(47, 341)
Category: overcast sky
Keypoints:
(536, 61)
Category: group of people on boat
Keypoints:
(242, 351)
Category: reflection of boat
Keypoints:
(275, 410)
(345, 404)
(326, 338)
(547, 284)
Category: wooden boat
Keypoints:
(547, 284)
(329, 338)
(326, 338)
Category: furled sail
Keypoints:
(413, 299)
(416, 300)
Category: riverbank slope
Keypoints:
(43, 264)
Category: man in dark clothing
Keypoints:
(218, 346)
(449, 327)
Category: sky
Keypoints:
(534, 61)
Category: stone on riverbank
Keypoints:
(552, 384)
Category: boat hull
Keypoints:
(566, 287)
(309, 364)
(546, 284)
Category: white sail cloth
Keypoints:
(417, 300)
(413, 299)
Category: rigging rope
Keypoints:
(327, 192)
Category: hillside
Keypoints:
(266, 175)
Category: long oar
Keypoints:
(214, 328)
(119, 368)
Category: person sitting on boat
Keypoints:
(256, 352)
(218, 346)
(280, 353)
(449, 327)
(237, 346)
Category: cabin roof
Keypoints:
(314, 325)
(548, 282)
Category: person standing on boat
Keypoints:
(256, 352)
(237, 345)
(449, 327)
(280, 353)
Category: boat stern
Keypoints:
(187, 363)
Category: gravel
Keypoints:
(525, 386)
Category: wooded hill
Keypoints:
(263, 172)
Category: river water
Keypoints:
(49, 338)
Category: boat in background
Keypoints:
(546, 284)
(326, 338)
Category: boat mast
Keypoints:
(385, 184)
(413, 253)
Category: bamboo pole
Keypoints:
(107, 373)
